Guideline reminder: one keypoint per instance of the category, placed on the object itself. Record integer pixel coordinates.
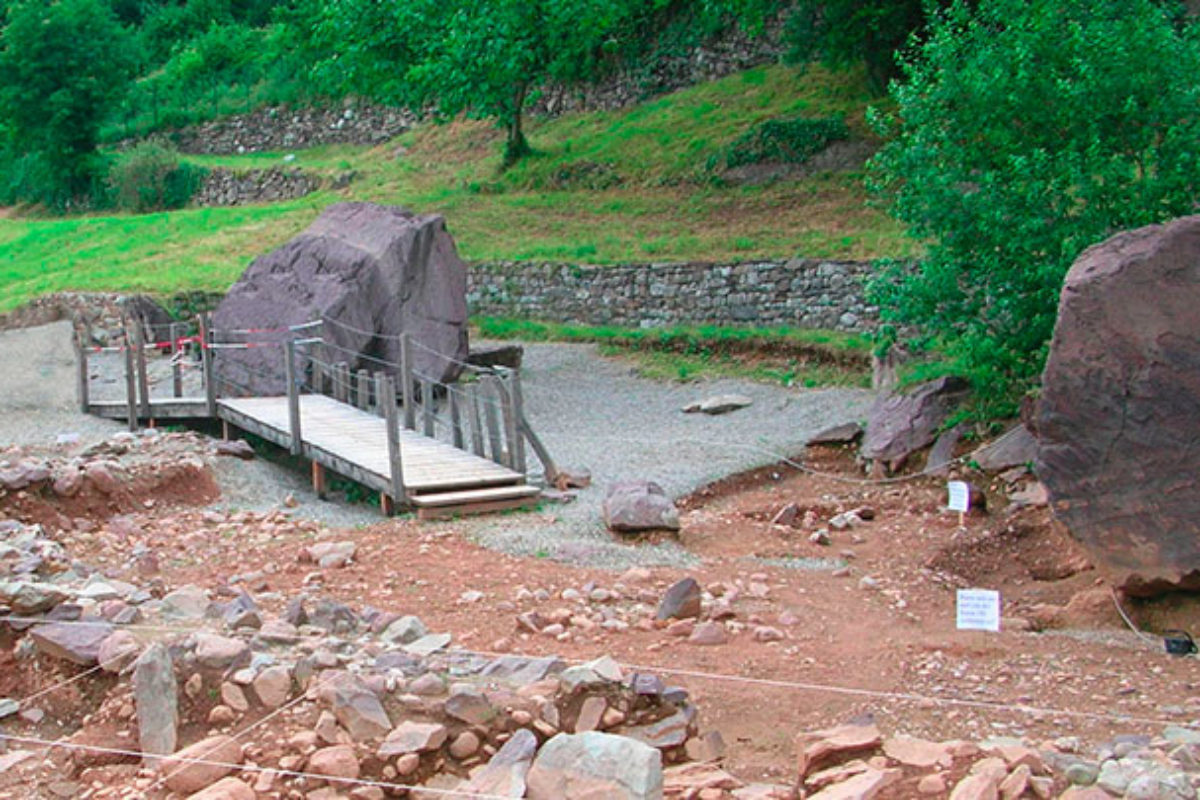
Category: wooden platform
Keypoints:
(160, 408)
(353, 443)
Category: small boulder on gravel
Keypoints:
(901, 424)
(639, 506)
(718, 404)
(219, 755)
(79, 644)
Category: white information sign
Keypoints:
(960, 496)
(978, 610)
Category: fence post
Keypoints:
(293, 389)
(456, 426)
(362, 384)
(139, 354)
(518, 414)
(427, 406)
(176, 367)
(206, 362)
(406, 382)
(507, 421)
(395, 462)
(130, 381)
(493, 423)
(476, 424)
(82, 338)
(380, 379)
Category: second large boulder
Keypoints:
(1120, 400)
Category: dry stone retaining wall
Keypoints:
(223, 187)
(806, 293)
(282, 128)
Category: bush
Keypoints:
(781, 141)
(151, 177)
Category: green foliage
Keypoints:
(785, 141)
(151, 177)
(63, 66)
(1024, 132)
(846, 33)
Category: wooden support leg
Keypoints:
(225, 430)
(318, 480)
(386, 505)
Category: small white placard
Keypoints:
(978, 610)
(960, 496)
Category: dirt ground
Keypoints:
(867, 621)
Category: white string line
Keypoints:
(186, 761)
(1142, 634)
(63, 683)
(807, 686)
(990, 705)
(291, 703)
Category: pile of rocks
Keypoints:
(283, 128)
(685, 611)
(857, 761)
(225, 187)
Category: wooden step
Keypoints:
(473, 501)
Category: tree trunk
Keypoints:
(517, 147)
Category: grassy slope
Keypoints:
(663, 210)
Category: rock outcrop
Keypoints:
(903, 423)
(372, 272)
(1120, 399)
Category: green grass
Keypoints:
(663, 209)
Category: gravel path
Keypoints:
(592, 412)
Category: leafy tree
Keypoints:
(846, 33)
(63, 65)
(1025, 131)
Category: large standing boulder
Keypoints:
(372, 272)
(1120, 403)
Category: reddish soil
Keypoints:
(883, 625)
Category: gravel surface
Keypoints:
(592, 412)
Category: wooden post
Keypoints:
(395, 464)
(176, 366)
(380, 409)
(318, 480)
(130, 382)
(476, 425)
(362, 386)
(406, 382)
(139, 354)
(540, 450)
(293, 390)
(518, 413)
(508, 422)
(491, 415)
(428, 406)
(318, 375)
(456, 425)
(82, 340)
(206, 362)
(341, 381)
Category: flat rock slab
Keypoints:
(901, 424)
(595, 765)
(77, 643)
(1121, 395)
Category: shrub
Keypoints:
(1025, 131)
(782, 141)
(151, 177)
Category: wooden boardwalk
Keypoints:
(358, 433)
